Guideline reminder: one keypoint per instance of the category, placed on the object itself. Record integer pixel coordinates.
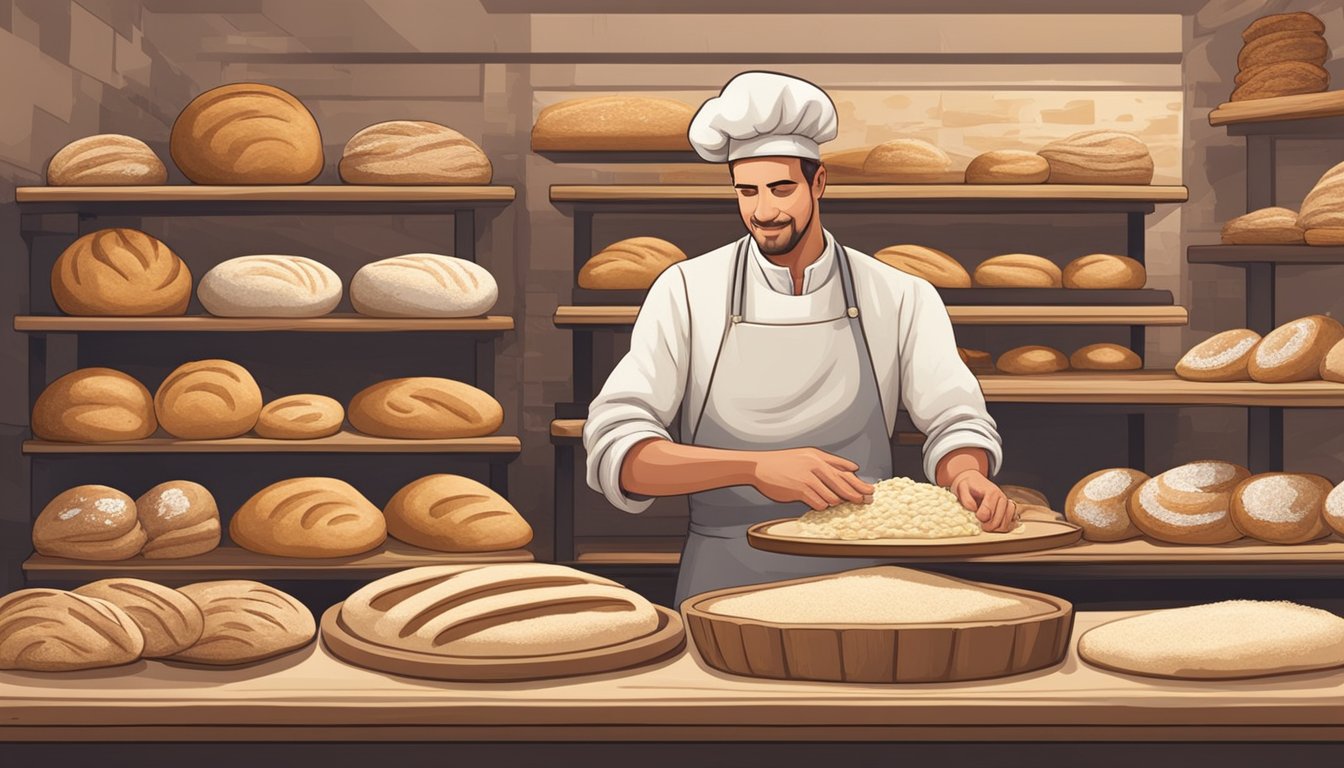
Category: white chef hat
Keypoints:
(763, 114)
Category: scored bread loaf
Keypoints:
(627, 122)
(208, 399)
(180, 519)
(1299, 21)
(246, 133)
(1280, 78)
(1332, 365)
(941, 270)
(1294, 351)
(1099, 157)
(48, 630)
(1222, 357)
(1263, 226)
(630, 265)
(94, 405)
(308, 517)
(413, 152)
(1032, 359)
(1323, 207)
(424, 407)
(907, 161)
(1281, 507)
(450, 513)
(168, 619)
(1104, 271)
(269, 286)
(300, 417)
(423, 285)
(1288, 45)
(246, 621)
(1105, 357)
(1189, 504)
(978, 360)
(1008, 166)
(1018, 270)
(89, 522)
(1099, 504)
(1333, 510)
(121, 272)
(108, 159)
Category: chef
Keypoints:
(787, 356)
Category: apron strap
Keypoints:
(734, 311)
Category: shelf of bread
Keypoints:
(1304, 106)
(335, 323)
(1154, 387)
(346, 441)
(221, 196)
(578, 316)
(1137, 193)
(1322, 255)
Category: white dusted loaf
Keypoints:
(270, 286)
(423, 285)
(413, 152)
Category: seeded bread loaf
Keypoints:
(1294, 351)
(1264, 226)
(1099, 504)
(1281, 507)
(941, 270)
(1222, 357)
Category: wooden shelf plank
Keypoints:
(618, 193)
(335, 323)
(569, 316)
(201, 193)
(1321, 255)
(1156, 387)
(346, 441)
(1306, 106)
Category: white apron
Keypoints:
(778, 386)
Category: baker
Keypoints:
(787, 356)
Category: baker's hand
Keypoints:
(995, 511)
(812, 476)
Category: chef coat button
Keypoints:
(737, 319)
(853, 312)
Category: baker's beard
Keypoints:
(783, 241)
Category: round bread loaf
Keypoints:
(978, 360)
(1104, 271)
(1299, 21)
(269, 286)
(208, 400)
(1323, 207)
(1333, 511)
(48, 630)
(907, 161)
(1332, 365)
(1032, 359)
(1008, 166)
(246, 621)
(1281, 78)
(1105, 357)
(846, 166)
(1281, 507)
(931, 264)
(1222, 357)
(1018, 270)
(108, 159)
(1189, 504)
(1263, 226)
(89, 522)
(613, 123)
(308, 517)
(413, 152)
(424, 407)
(94, 405)
(300, 417)
(1099, 157)
(1288, 45)
(629, 265)
(1294, 351)
(449, 513)
(180, 519)
(246, 133)
(168, 619)
(1099, 504)
(120, 272)
(423, 285)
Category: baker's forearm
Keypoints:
(960, 460)
(658, 467)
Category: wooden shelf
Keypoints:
(228, 200)
(1306, 106)
(1240, 255)
(575, 316)
(570, 432)
(1155, 388)
(336, 323)
(346, 441)
(1137, 193)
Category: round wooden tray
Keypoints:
(666, 640)
(1032, 535)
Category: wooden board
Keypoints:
(781, 536)
(571, 429)
(335, 323)
(346, 441)
(198, 193)
(572, 193)
(668, 639)
(617, 315)
(1305, 106)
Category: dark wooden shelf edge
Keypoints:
(1241, 255)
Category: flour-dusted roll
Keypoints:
(1031, 359)
(1280, 78)
(308, 517)
(1008, 166)
(1104, 271)
(978, 360)
(1099, 504)
(1294, 351)
(300, 417)
(424, 407)
(1018, 270)
(1281, 507)
(1322, 211)
(270, 286)
(89, 522)
(208, 400)
(1299, 21)
(940, 269)
(94, 405)
(246, 621)
(1288, 45)
(630, 265)
(120, 272)
(1333, 510)
(1265, 226)
(48, 630)
(907, 160)
(108, 159)
(168, 619)
(1099, 157)
(180, 519)
(450, 513)
(413, 152)
(628, 122)
(1222, 357)
(246, 133)
(423, 285)
(1189, 504)
(1105, 357)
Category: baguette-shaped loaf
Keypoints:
(120, 272)
(94, 405)
(1264, 226)
(619, 123)
(247, 133)
(629, 265)
(1008, 166)
(168, 619)
(424, 407)
(300, 417)
(940, 269)
(48, 630)
(451, 513)
(246, 621)
(1018, 270)
(423, 285)
(108, 159)
(180, 519)
(208, 399)
(413, 152)
(89, 522)
(270, 286)
(1099, 157)
(308, 517)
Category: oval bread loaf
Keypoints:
(94, 405)
(48, 630)
(629, 265)
(450, 513)
(424, 407)
(308, 517)
(1294, 351)
(1099, 157)
(1324, 236)
(940, 269)
(1099, 504)
(1281, 507)
(168, 619)
(1332, 365)
(208, 399)
(1264, 226)
(1105, 357)
(1281, 78)
(89, 522)
(300, 417)
(613, 123)
(413, 152)
(1333, 511)
(1018, 270)
(1222, 357)
(246, 621)
(108, 159)
(180, 519)
(1104, 271)
(270, 286)
(1008, 166)
(907, 160)
(121, 272)
(1323, 207)
(1189, 504)
(978, 360)
(246, 133)
(1032, 359)
(423, 285)
(1299, 21)
(1288, 45)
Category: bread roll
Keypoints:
(180, 519)
(1263, 226)
(1099, 157)
(1008, 166)
(484, 611)
(47, 630)
(1189, 504)
(1223, 357)
(300, 417)
(978, 360)
(1104, 271)
(941, 270)
(424, 407)
(108, 159)
(1324, 206)
(246, 621)
(423, 285)
(168, 619)
(629, 265)
(1099, 504)
(628, 123)
(1282, 22)
(1105, 357)
(94, 405)
(907, 161)
(1032, 359)
(246, 133)
(846, 166)
(413, 152)
(1332, 236)
(270, 286)
(121, 272)
(308, 517)
(89, 522)
(450, 513)
(1281, 507)
(207, 400)
(1294, 351)
(1332, 365)
(1289, 45)
(1018, 270)
(1282, 78)
(1333, 512)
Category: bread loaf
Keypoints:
(1333, 512)
(450, 513)
(308, 517)
(180, 519)
(300, 417)
(1099, 504)
(246, 133)
(108, 159)
(424, 407)
(89, 522)
(1032, 359)
(121, 272)
(1282, 22)
(1105, 271)
(1105, 357)
(907, 161)
(423, 285)
(846, 166)
(1018, 270)
(978, 360)
(1288, 45)
(169, 621)
(1008, 166)
(1099, 157)
(246, 621)
(1324, 206)
(629, 123)
(1281, 507)
(1332, 365)
(1324, 236)
(413, 152)
(208, 399)
(941, 270)
(483, 611)
(47, 630)
(1223, 357)
(270, 286)
(1189, 504)
(1281, 78)
(630, 265)
(94, 405)
(1263, 226)
(1294, 351)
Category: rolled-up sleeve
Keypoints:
(644, 391)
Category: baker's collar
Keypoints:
(815, 275)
